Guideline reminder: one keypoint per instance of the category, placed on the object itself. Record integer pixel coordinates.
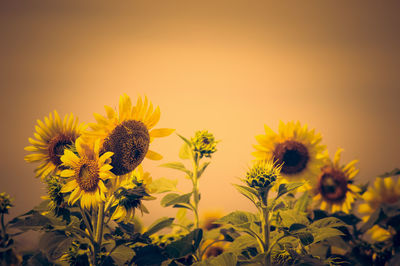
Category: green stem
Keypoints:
(3, 227)
(196, 189)
(100, 223)
(265, 226)
(86, 221)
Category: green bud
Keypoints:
(204, 143)
(5, 202)
(263, 174)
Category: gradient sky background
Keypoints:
(226, 66)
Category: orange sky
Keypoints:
(227, 66)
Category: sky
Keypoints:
(225, 66)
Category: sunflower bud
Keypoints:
(263, 174)
(5, 202)
(204, 143)
(77, 254)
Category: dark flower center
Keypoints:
(332, 184)
(293, 155)
(129, 142)
(57, 146)
(87, 175)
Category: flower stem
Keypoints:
(196, 197)
(265, 226)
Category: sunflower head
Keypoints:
(128, 133)
(129, 191)
(295, 147)
(5, 202)
(87, 171)
(263, 174)
(334, 188)
(77, 254)
(51, 138)
(55, 196)
(383, 191)
(204, 144)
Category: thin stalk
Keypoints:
(3, 227)
(85, 220)
(265, 226)
(196, 189)
(100, 223)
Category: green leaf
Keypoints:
(249, 193)
(188, 142)
(54, 244)
(122, 255)
(394, 172)
(295, 227)
(242, 242)
(162, 185)
(202, 168)
(327, 222)
(185, 152)
(158, 225)
(174, 198)
(239, 219)
(324, 233)
(225, 259)
(184, 246)
(302, 203)
(32, 221)
(286, 188)
(148, 255)
(178, 166)
(290, 217)
(306, 238)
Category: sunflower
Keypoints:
(334, 189)
(129, 191)
(296, 148)
(384, 191)
(87, 173)
(127, 133)
(52, 136)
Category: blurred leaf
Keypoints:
(306, 238)
(302, 203)
(158, 225)
(174, 198)
(242, 242)
(225, 259)
(394, 172)
(324, 233)
(286, 188)
(54, 244)
(185, 140)
(122, 255)
(184, 246)
(162, 185)
(185, 152)
(249, 193)
(229, 234)
(238, 219)
(327, 222)
(32, 221)
(375, 218)
(178, 166)
(202, 168)
(295, 227)
(349, 219)
(290, 217)
(148, 255)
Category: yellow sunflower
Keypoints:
(128, 133)
(86, 174)
(51, 137)
(128, 193)
(334, 189)
(295, 147)
(384, 191)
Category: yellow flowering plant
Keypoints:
(304, 202)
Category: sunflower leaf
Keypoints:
(286, 188)
(394, 172)
(162, 185)
(159, 225)
(185, 152)
(202, 168)
(174, 198)
(178, 166)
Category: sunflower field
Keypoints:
(310, 208)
